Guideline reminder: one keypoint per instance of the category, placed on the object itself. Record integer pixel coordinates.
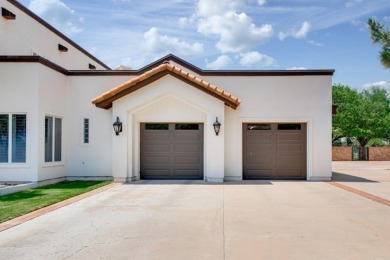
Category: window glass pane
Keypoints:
(156, 126)
(18, 138)
(48, 139)
(187, 126)
(86, 131)
(57, 140)
(289, 126)
(258, 127)
(4, 138)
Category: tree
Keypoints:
(364, 115)
(381, 34)
(346, 100)
(374, 118)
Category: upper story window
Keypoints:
(12, 138)
(53, 139)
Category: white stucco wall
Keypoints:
(52, 102)
(94, 159)
(19, 94)
(25, 36)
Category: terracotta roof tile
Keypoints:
(108, 97)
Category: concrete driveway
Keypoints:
(194, 220)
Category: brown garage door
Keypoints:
(274, 151)
(171, 151)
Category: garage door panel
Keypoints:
(187, 173)
(156, 159)
(278, 153)
(256, 174)
(289, 137)
(256, 149)
(187, 160)
(296, 162)
(257, 136)
(290, 148)
(155, 173)
(155, 136)
(187, 136)
(187, 147)
(258, 160)
(150, 147)
(290, 174)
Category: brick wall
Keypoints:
(341, 153)
(379, 153)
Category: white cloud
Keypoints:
(207, 8)
(282, 36)
(235, 32)
(155, 44)
(261, 2)
(57, 14)
(352, 3)
(225, 22)
(255, 58)
(383, 84)
(303, 31)
(183, 22)
(221, 62)
(300, 34)
(297, 68)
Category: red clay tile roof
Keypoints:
(105, 100)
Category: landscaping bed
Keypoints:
(20, 203)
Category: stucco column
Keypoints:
(216, 148)
(119, 147)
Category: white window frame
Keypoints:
(11, 164)
(53, 163)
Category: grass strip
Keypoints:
(20, 203)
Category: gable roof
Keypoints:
(105, 100)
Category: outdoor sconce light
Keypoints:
(117, 126)
(217, 126)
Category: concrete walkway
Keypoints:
(194, 220)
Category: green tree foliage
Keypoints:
(380, 34)
(346, 100)
(364, 115)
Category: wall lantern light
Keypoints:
(217, 126)
(117, 126)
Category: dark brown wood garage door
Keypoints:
(171, 151)
(274, 151)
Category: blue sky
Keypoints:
(228, 34)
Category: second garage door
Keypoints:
(274, 151)
(171, 151)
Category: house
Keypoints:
(59, 103)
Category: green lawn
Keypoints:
(17, 204)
